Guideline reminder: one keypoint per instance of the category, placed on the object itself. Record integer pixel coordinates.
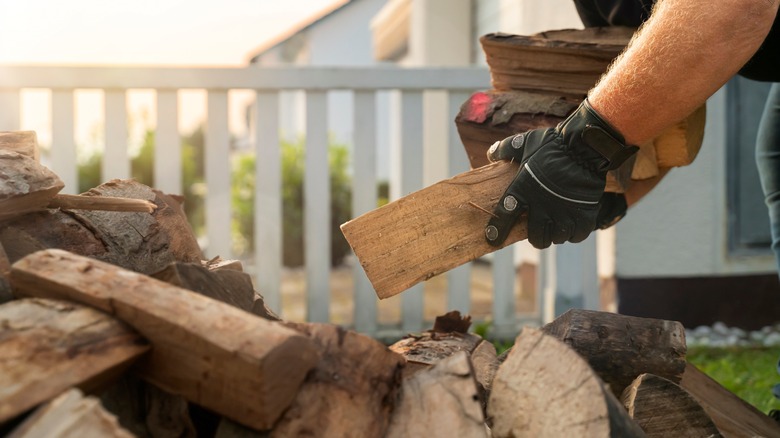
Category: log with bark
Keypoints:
(141, 242)
(205, 350)
(619, 348)
(545, 389)
(21, 142)
(352, 390)
(25, 185)
(71, 415)
(663, 409)
(48, 346)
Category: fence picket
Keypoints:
(63, 148)
(10, 114)
(217, 169)
(167, 144)
(411, 161)
(364, 199)
(268, 201)
(116, 163)
(316, 193)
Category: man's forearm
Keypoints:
(681, 56)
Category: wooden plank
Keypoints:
(23, 142)
(430, 231)
(733, 416)
(217, 169)
(364, 199)
(63, 148)
(71, 415)
(116, 161)
(226, 366)
(316, 211)
(663, 409)
(167, 144)
(411, 173)
(268, 199)
(545, 389)
(48, 346)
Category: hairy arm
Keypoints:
(682, 55)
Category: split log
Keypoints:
(25, 185)
(218, 264)
(226, 285)
(564, 62)
(430, 231)
(663, 409)
(140, 242)
(733, 416)
(679, 144)
(226, 366)
(350, 393)
(619, 348)
(440, 402)
(545, 389)
(22, 142)
(49, 346)
(71, 415)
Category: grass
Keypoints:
(749, 373)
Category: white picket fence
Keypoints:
(267, 83)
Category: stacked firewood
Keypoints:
(114, 325)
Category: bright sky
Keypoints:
(139, 32)
(169, 32)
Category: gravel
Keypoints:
(720, 335)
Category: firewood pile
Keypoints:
(114, 325)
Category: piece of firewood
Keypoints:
(679, 144)
(350, 393)
(226, 285)
(71, 415)
(48, 346)
(23, 142)
(663, 409)
(545, 389)
(102, 203)
(227, 360)
(430, 231)
(620, 347)
(733, 416)
(146, 410)
(25, 185)
(440, 402)
(218, 264)
(565, 62)
(141, 242)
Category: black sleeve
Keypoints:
(765, 64)
(601, 13)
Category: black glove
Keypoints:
(561, 180)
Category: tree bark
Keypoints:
(619, 348)
(25, 186)
(49, 346)
(205, 350)
(140, 242)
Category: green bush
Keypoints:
(293, 157)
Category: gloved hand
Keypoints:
(561, 180)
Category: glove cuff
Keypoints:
(603, 137)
